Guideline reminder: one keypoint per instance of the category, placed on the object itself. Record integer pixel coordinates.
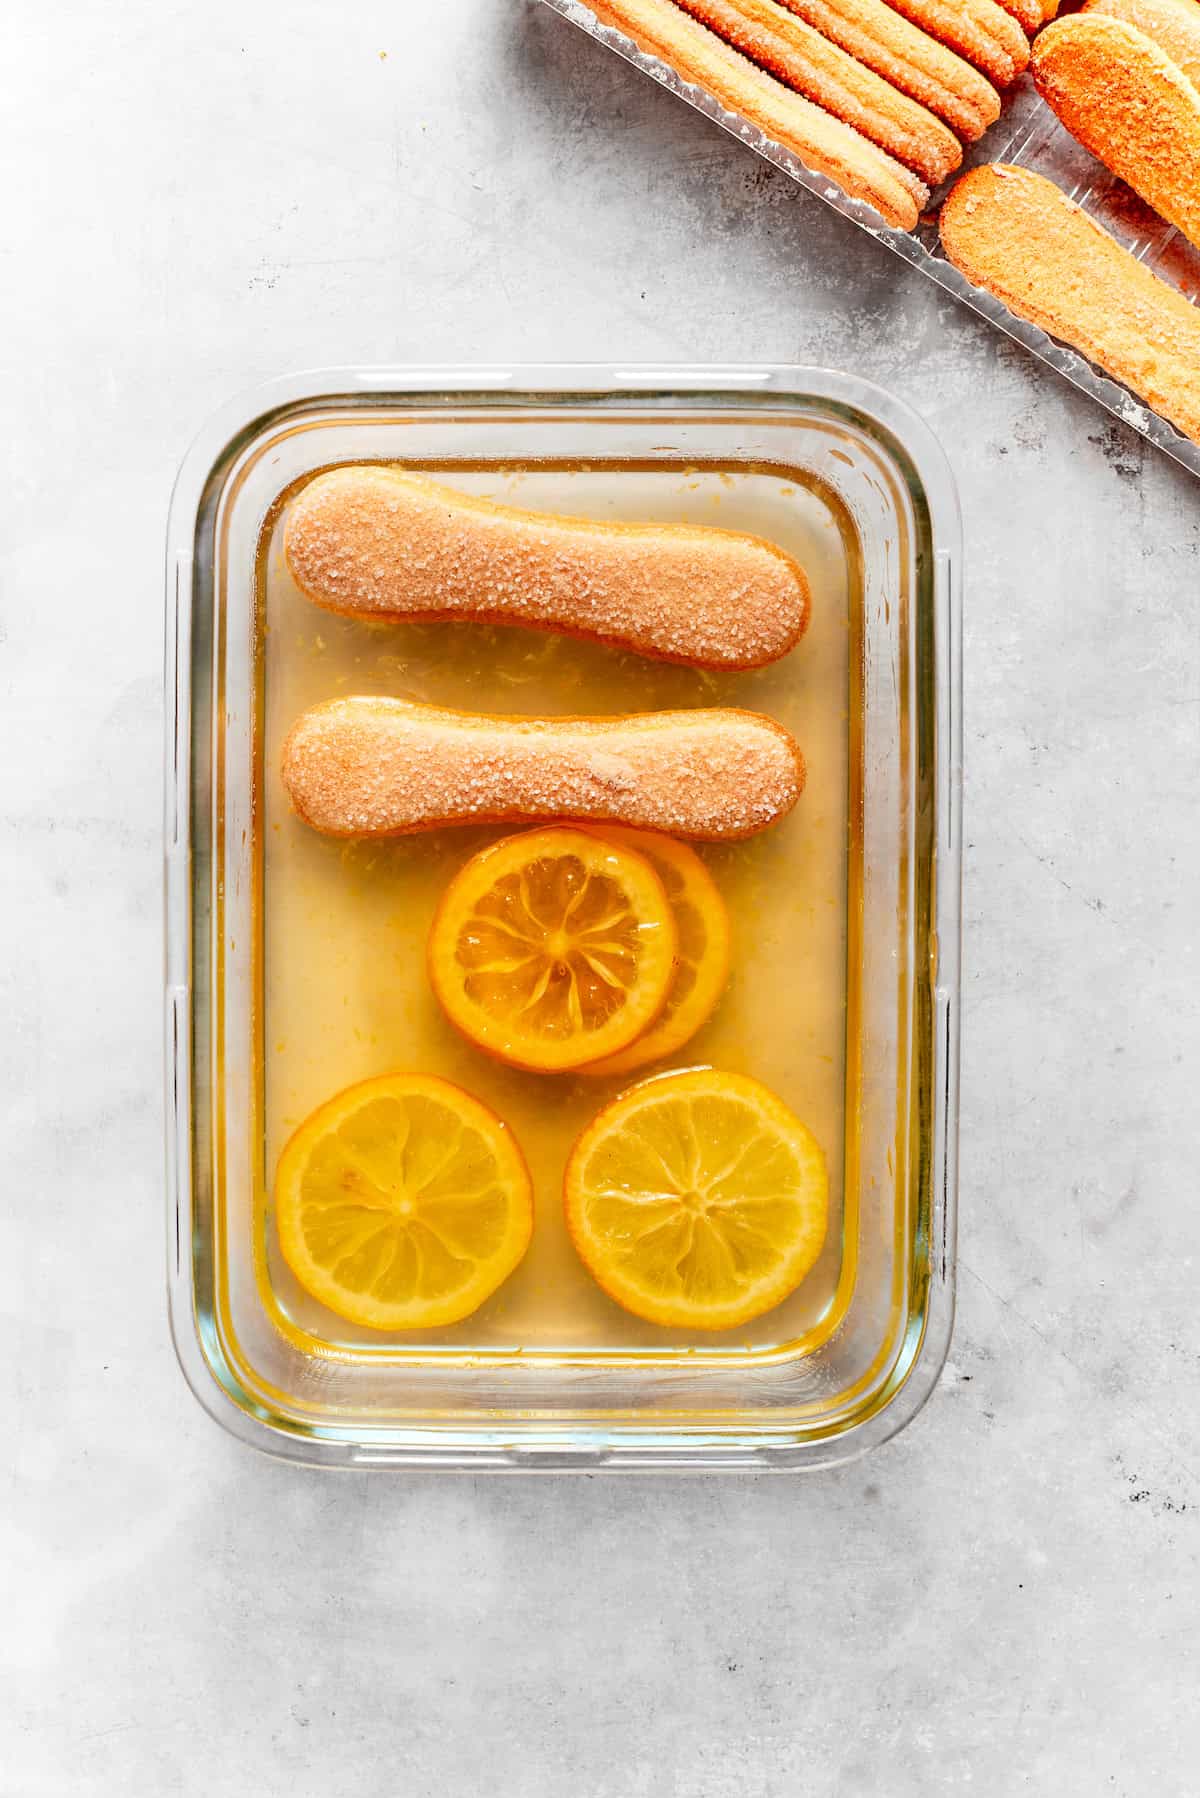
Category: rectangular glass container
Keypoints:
(1028, 134)
(294, 964)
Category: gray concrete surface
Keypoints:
(1005, 1599)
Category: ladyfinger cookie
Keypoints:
(911, 61)
(1126, 101)
(386, 767)
(814, 67)
(382, 543)
(1031, 15)
(1016, 235)
(824, 144)
(1174, 25)
(979, 30)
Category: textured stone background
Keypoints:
(1005, 1599)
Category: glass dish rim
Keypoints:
(549, 1445)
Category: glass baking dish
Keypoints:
(1028, 134)
(288, 972)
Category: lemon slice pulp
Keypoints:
(403, 1203)
(697, 1199)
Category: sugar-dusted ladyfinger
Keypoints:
(383, 543)
(823, 143)
(787, 47)
(908, 58)
(386, 767)
(979, 30)
(1128, 103)
(1174, 25)
(1016, 235)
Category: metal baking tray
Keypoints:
(1027, 134)
(294, 963)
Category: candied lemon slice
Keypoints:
(701, 954)
(553, 948)
(403, 1203)
(697, 1199)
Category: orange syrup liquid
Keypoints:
(344, 988)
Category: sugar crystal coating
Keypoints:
(387, 767)
(383, 543)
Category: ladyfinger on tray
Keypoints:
(1032, 14)
(825, 74)
(1027, 13)
(383, 543)
(1174, 25)
(1126, 101)
(908, 58)
(1016, 235)
(385, 767)
(980, 30)
(823, 143)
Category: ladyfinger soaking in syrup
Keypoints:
(381, 543)
(374, 767)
